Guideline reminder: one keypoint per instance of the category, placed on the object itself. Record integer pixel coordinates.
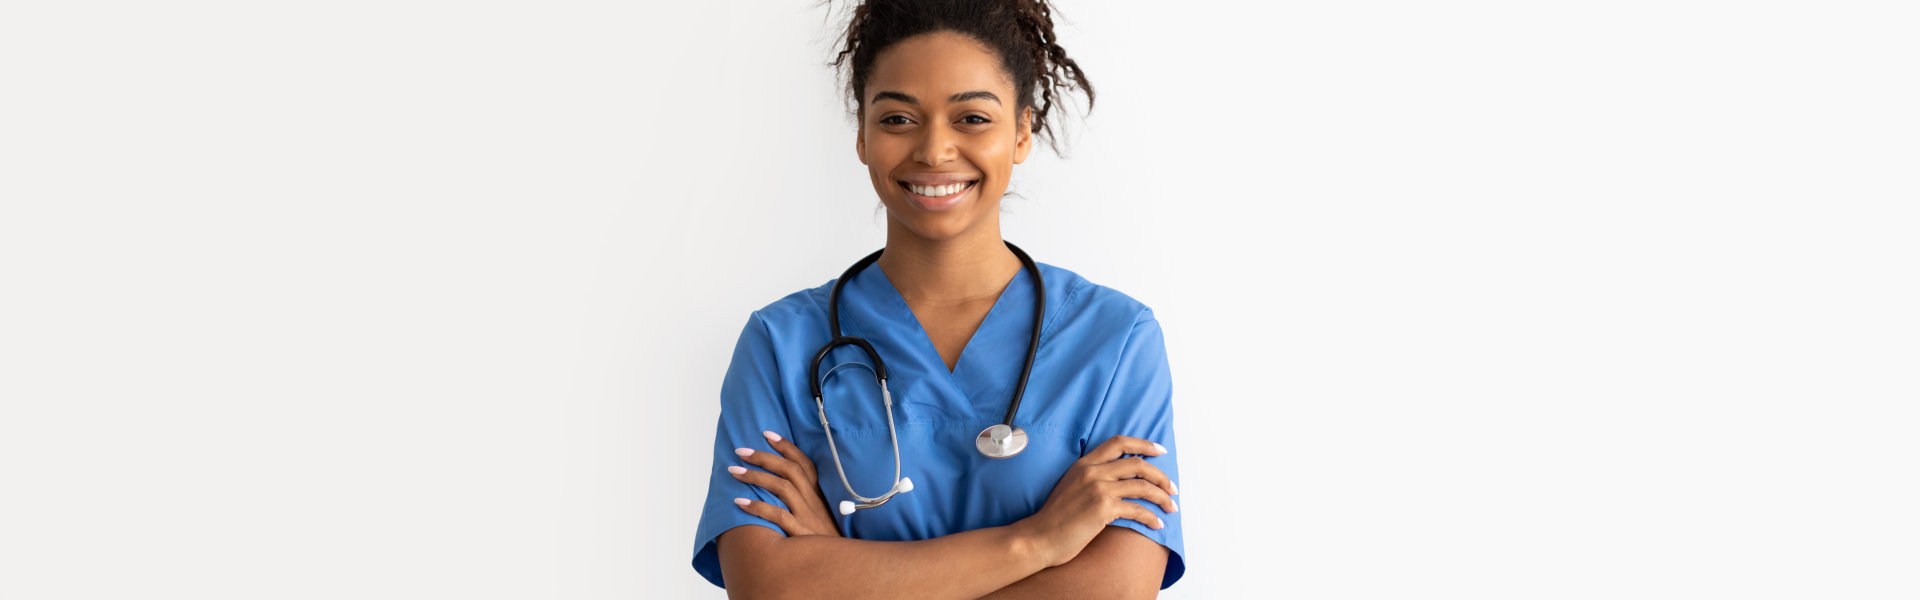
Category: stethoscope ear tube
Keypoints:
(900, 484)
(879, 366)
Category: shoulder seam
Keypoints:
(1079, 283)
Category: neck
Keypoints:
(951, 271)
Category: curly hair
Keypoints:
(1019, 31)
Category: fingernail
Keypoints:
(737, 470)
(1162, 449)
(743, 452)
(1176, 505)
(742, 501)
(1175, 485)
(1157, 523)
(771, 436)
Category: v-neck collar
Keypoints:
(1001, 337)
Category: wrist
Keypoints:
(1028, 546)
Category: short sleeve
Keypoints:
(1139, 403)
(750, 403)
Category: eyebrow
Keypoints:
(956, 98)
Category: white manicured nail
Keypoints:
(743, 452)
(742, 501)
(737, 470)
(771, 436)
(1162, 449)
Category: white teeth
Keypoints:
(938, 191)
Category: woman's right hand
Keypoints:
(1093, 493)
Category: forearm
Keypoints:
(1118, 564)
(964, 565)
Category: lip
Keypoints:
(943, 202)
(939, 178)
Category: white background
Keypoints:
(408, 299)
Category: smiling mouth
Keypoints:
(938, 191)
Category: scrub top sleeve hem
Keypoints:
(722, 515)
(1176, 559)
(706, 561)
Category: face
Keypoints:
(940, 133)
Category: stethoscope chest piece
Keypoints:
(1001, 441)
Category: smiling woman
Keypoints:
(1070, 495)
(926, 156)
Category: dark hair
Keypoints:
(1019, 31)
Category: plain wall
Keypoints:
(410, 299)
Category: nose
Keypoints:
(936, 146)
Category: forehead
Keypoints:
(936, 65)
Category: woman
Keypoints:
(1071, 494)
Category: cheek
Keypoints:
(882, 159)
(996, 161)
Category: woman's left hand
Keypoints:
(791, 477)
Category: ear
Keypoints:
(1023, 137)
(860, 139)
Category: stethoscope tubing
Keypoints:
(1033, 343)
(880, 367)
(879, 370)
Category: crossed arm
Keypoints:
(1118, 563)
(1012, 561)
(983, 563)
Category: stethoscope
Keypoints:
(998, 441)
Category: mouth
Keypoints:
(938, 192)
(939, 195)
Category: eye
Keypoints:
(894, 120)
(975, 120)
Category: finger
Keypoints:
(797, 499)
(776, 464)
(1140, 488)
(779, 516)
(767, 481)
(783, 478)
(1136, 467)
(1120, 445)
(1141, 515)
(791, 452)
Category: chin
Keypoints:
(939, 226)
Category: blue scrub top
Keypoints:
(1101, 371)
